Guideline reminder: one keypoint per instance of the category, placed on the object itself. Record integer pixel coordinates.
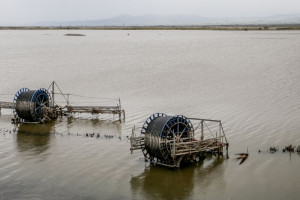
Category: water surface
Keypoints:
(249, 80)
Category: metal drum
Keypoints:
(30, 105)
(162, 132)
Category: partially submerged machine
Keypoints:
(31, 105)
(38, 106)
(170, 140)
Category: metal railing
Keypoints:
(208, 141)
(7, 105)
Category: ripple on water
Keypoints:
(251, 85)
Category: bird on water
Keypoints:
(242, 157)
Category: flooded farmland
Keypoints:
(247, 79)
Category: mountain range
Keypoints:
(178, 20)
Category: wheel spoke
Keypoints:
(183, 132)
(173, 132)
(38, 107)
(38, 99)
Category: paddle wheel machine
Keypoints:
(172, 140)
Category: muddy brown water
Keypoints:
(249, 80)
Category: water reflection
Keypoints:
(34, 138)
(88, 125)
(163, 183)
(211, 169)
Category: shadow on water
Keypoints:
(34, 137)
(163, 183)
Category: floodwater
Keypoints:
(248, 79)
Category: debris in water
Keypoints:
(274, 149)
(289, 148)
(242, 157)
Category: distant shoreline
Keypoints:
(193, 27)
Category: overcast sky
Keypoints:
(20, 12)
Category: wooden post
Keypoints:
(174, 147)
(53, 94)
(220, 132)
(68, 101)
(221, 139)
(119, 106)
(202, 131)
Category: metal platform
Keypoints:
(53, 109)
(205, 140)
(6, 105)
(97, 110)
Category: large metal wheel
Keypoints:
(143, 131)
(178, 129)
(162, 132)
(149, 120)
(16, 97)
(39, 102)
(30, 105)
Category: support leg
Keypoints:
(179, 161)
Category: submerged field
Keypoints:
(248, 79)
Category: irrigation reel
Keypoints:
(31, 105)
(170, 140)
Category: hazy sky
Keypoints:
(29, 11)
